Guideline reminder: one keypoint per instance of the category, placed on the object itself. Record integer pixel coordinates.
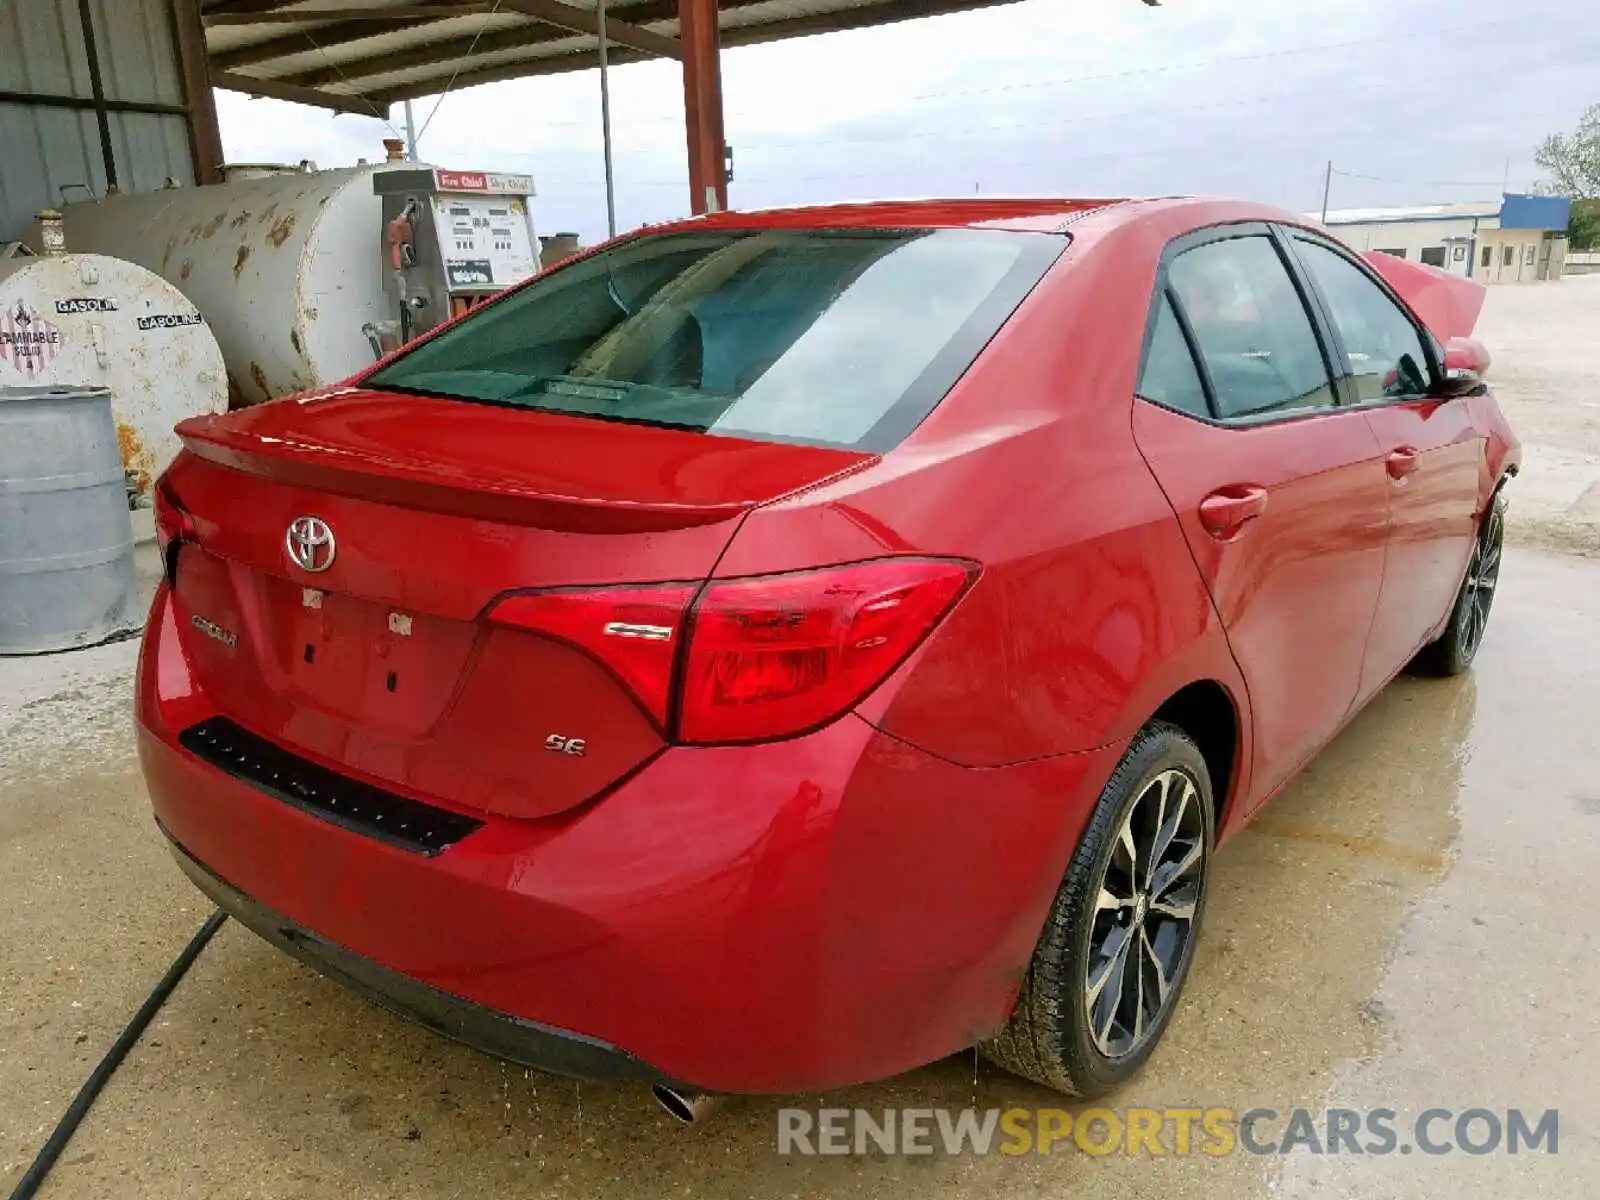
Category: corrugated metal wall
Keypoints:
(44, 150)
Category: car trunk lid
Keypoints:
(383, 662)
(1448, 304)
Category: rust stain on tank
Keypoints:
(294, 340)
(136, 459)
(213, 225)
(236, 397)
(240, 259)
(238, 222)
(259, 378)
(311, 314)
(280, 232)
(187, 268)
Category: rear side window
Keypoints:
(1384, 350)
(1251, 328)
(827, 337)
(1170, 377)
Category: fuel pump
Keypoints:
(451, 240)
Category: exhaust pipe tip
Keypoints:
(684, 1104)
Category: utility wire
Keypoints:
(456, 74)
(1088, 118)
(1449, 183)
(1132, 73)
(358, 93)
(1068, 159)
(1064, 163)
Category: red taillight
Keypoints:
(634, 631)
(767, 657)
(776, 656)
(173, 523)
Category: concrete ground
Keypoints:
(1411, 925)
(1545, 340)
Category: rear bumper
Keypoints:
(794, 916)
(558, 1051)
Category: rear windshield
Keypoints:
(825, 337)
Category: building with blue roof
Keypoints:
(1517, 239)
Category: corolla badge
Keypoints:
(212, 630)
(310, 544)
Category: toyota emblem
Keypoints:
(310, 544)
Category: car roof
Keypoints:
(1036, 214)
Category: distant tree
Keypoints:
(1584, 231)
(1574, 162)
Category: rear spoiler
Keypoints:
(446, 456)
(1448, 304)
(418, 484)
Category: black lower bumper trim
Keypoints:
(402, 822)
(514, 1039)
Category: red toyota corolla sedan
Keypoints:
(777, 650)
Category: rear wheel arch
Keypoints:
(1057, 1031)
(1511, 471)
(1208, 713)
(1502, 460)
(1495, 494)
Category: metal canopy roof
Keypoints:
(361, 55)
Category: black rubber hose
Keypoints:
(68, 1125)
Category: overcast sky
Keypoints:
(1415, 101)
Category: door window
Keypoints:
(1251, 328)
(1385, 352)
(1170, 377)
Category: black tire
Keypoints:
(1453, 650)
(1049, 1038)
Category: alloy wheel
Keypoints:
(1483, 574)
(1144, 915)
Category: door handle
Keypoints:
(1401, 461)
(1226, 510)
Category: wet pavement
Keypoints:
(1411, 925)
(1542, 340)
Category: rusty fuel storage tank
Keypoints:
(285, 267)
(91, 321)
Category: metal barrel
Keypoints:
(66, 539)
(557, 248)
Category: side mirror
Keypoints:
(1466, 355)
(1466, 362)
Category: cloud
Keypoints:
(1429, 100)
